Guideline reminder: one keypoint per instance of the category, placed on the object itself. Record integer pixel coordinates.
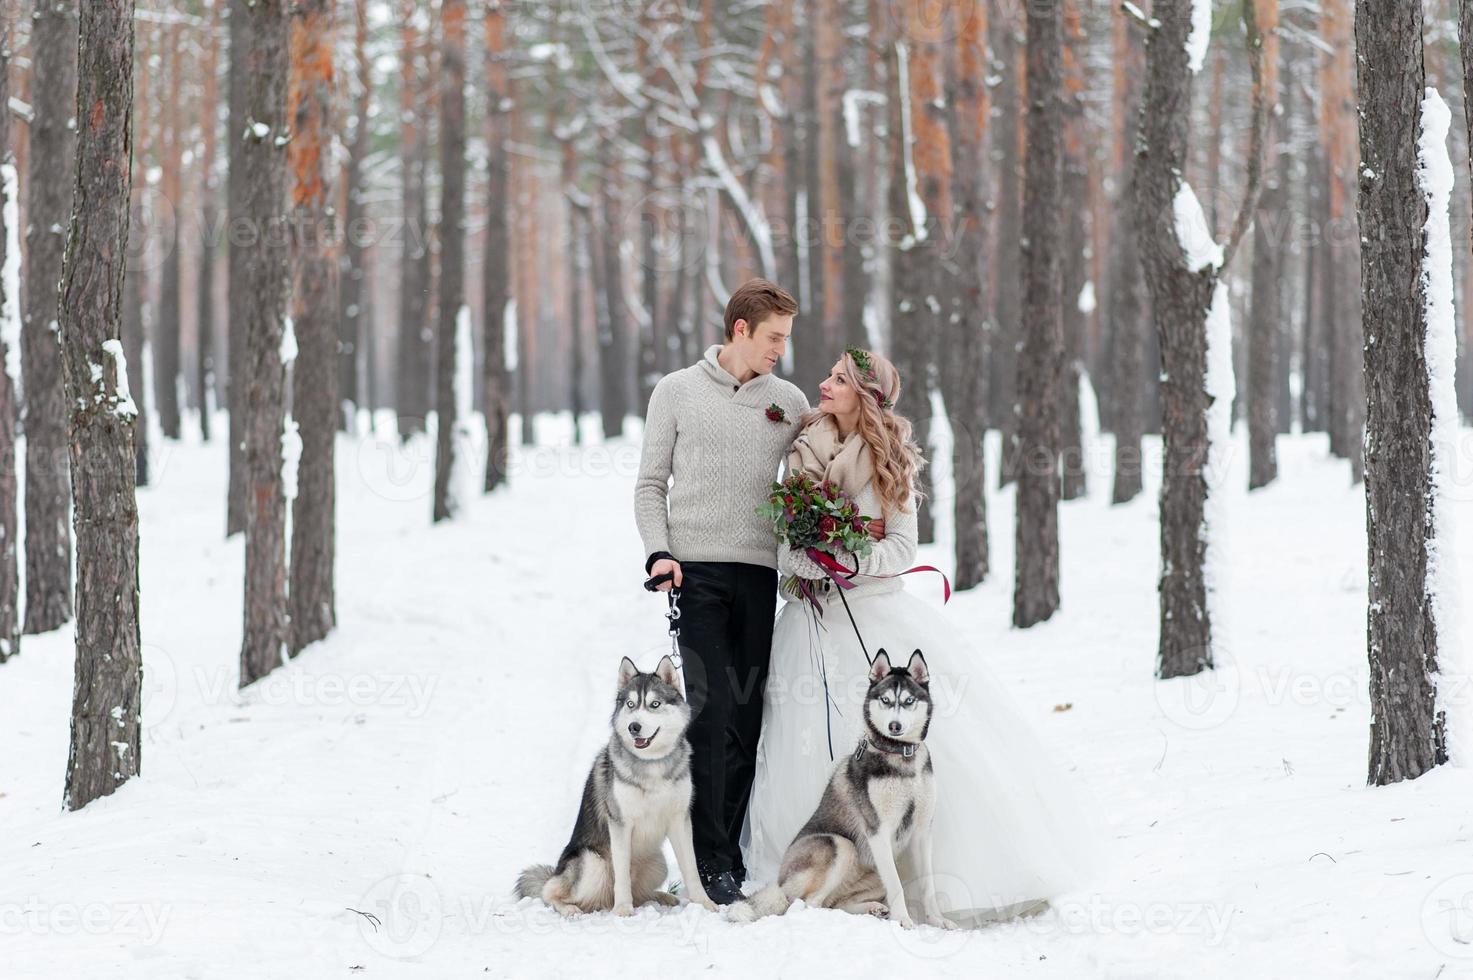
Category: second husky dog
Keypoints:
(637, 794)
(878, 801)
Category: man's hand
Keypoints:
(877, 529)
(660, 568)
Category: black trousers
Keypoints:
(726, 616)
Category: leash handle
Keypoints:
(653, 584)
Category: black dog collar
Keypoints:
(906, 750)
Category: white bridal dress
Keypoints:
(1013, 828)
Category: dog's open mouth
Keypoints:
(644, 742)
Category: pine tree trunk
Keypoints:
(9, 306)
(496, 272)
(801, 174)
(1036, 586)
(452, 250)
(165, 346)
(967, 399)
(792, 128)
(1180, 297)
(209, 221)
(614, 352)
(353, 337)
(930, 151)
(1265, 323)
(238, 301)
(263, 198)
(133, 289)
(524, 183)
(316, 321)
(1129, 330)
(48, 538)
(1125, 303)
(1003, 382)
(910, 319)
(414, 282)
(135, 278)
(1347, 394)
(1408, 734)
(826, 201)
(1075, 263)
(107, 693)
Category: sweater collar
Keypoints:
(719, 374)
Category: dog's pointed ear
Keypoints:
(627, 670)
(879, 667)
(918, 668)
(667, 672)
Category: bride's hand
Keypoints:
(877, 529)
(796, 562)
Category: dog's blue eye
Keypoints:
(909, 702)
(654, 705)
(628, 704)
(886, 702)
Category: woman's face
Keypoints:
(836, 396)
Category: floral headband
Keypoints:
(866, 366)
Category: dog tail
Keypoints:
(530, 881)
(769, 901)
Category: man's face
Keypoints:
(761, 346)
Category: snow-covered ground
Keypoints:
(409, 766)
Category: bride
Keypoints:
(1011, 828)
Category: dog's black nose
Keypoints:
(895, 728)
(634, 728)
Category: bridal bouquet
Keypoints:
(816, 517)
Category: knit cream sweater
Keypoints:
(711, 433)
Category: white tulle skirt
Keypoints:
(1013, 827)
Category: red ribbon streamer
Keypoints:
(844, 575)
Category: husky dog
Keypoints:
(877, 802)
(637, 794)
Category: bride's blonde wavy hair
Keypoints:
(888, 434)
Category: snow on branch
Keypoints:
(1201, 34)
(1139, 16)
(1200, 249)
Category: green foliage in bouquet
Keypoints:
(807, 514)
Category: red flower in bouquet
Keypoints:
(816, 517)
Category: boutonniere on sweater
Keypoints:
(775, 413)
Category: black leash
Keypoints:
(823, 671)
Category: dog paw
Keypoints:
(624, 909)
(906, 922)
(941, 922)
(877, 909)
(706, 903)
(666, 899)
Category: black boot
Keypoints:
(722, 887)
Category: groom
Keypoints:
(721, 428)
